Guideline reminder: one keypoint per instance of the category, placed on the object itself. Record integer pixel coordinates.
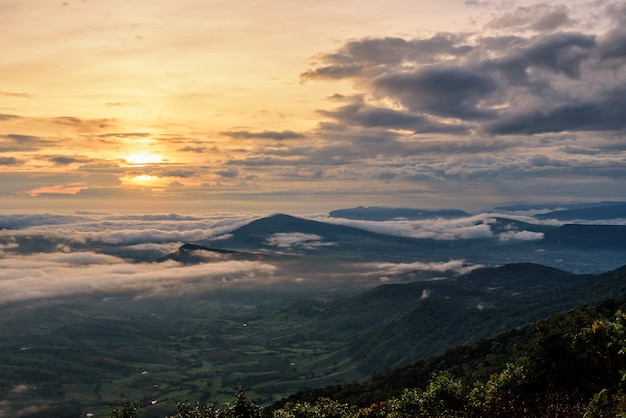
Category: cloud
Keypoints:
(337, 71)
(184, 173)
(539, 17)
(67, 160)
(370, 56)
(59, 274)
(20, 221)
(275, 135)
(13, 94)
(457, 266)
(197, 150)
(500, 84)
(613, 46)
(19, 142)
(229, 173)
(94, 229)
(361, 114)
(444, 91)
(4, 116)
(600, 115)
(472, 227)
(520, 236)
(8, 161)
(296, 239)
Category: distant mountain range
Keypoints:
(565, 212)
(381, 213)
(552, 207)
(572, 247)
(613, 210)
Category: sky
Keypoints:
(299, 107)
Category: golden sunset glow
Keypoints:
(145, 180)
(143, 158)
(311, 104)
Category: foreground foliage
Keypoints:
(573, 365)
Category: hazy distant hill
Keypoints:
(556, 206)
(609, 210)
(380, 213)
(588, 236)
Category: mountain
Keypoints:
(577, 248)
(489, 287)
(588, 236)
(555, 206)
(194, 254)
(288, 234)
(608, 210)
(380, 213)
(556, 356)
(479, 304)
(500, 225)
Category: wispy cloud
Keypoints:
(297, 240)
(456, 266)
(53, 275)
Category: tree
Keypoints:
(129, 409)
(242, 407)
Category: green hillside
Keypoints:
(569, 365)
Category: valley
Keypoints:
(280, 304)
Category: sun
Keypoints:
(143, 158)
(146, 180)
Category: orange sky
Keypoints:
(163, 105)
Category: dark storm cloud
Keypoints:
(360, 114)
(442, 91)
(275, 135)
(500, 85)
(608, 112)
(559, 52)
(613, 45)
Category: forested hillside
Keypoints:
(570, 365)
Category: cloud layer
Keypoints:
(44, 256)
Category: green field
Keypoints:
(82, 358)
